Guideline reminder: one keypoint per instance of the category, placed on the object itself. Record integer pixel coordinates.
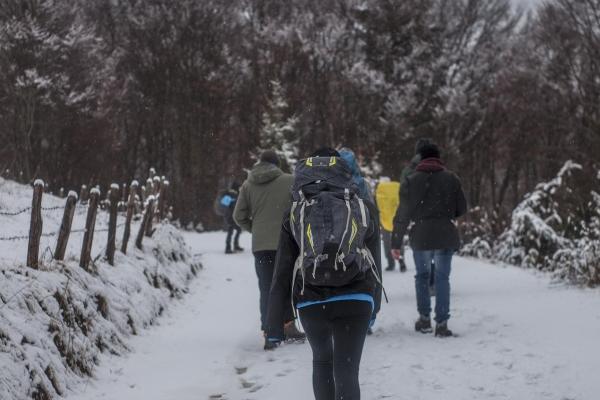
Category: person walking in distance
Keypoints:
(432, 197)
(407, 171)
(225, 205)
(387, 196)
(263, 199)
(328, 266)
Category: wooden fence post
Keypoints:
(114, 197)
(83, 194)
(156, 185)
(130, 209)
(35, 227)
(151, 218)
(149, 188)
(65, 227)
(147, 221)
(162, 200)
(88, 236)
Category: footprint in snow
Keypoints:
(241, 370)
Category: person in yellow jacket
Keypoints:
(387, 196)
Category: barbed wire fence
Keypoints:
(149, 200)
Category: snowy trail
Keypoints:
(521, 337)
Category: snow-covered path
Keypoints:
(521, 337)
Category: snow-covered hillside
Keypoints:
(55, 322)
(521, 336)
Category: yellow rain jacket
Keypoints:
(387, 196)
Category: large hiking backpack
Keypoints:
(329, 222)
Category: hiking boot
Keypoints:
(390, 268)
(270, 344)
(292, 334)
(402, 265)
(423, 325)
(228, 250)
(442, 330)
(238, 249)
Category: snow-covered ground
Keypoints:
(520, 337)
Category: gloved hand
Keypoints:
(397, 254)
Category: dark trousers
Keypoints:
(236, 241)
(264, 262)
(387, 247)
(336, 332)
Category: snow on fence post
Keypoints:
(156, 185)
(147, 221)
(83, 194)
(152, 172)
(65, 226)
(130, 209)
(35, 227)
(162, 199)
(88, 236)
(113, 197)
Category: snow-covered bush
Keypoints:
(476, 231)
(556, 228)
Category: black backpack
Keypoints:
(329, 222)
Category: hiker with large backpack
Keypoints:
(432, 197)
(262, 203)
(224, 207)
(328, 265)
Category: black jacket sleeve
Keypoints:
(373, 242)
(280, 296)
(461, 201)
(403, 215)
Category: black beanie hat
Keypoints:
(420, 143)
(270, 156)
(325, 152)
(429, 150)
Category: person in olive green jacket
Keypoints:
(262, 202)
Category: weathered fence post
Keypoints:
(146, 221)
(130, 209)
(114, 197)
(65, 227)
(162, 200)
(88, 236)
(156, 185)
(35, 227)
(149, 188)
(83, 194)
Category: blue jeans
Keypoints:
(443, 262)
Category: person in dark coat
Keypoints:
(335, 319)
(228, 201)
(432, 197)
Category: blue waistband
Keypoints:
(343, 297)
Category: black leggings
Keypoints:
(336, 332)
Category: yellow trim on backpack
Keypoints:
(332, 161)
(310, 237)
(353, 235)
(309, 162)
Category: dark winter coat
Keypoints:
(261, 204)
(228, 216)
(431, 197)
(281, 287)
